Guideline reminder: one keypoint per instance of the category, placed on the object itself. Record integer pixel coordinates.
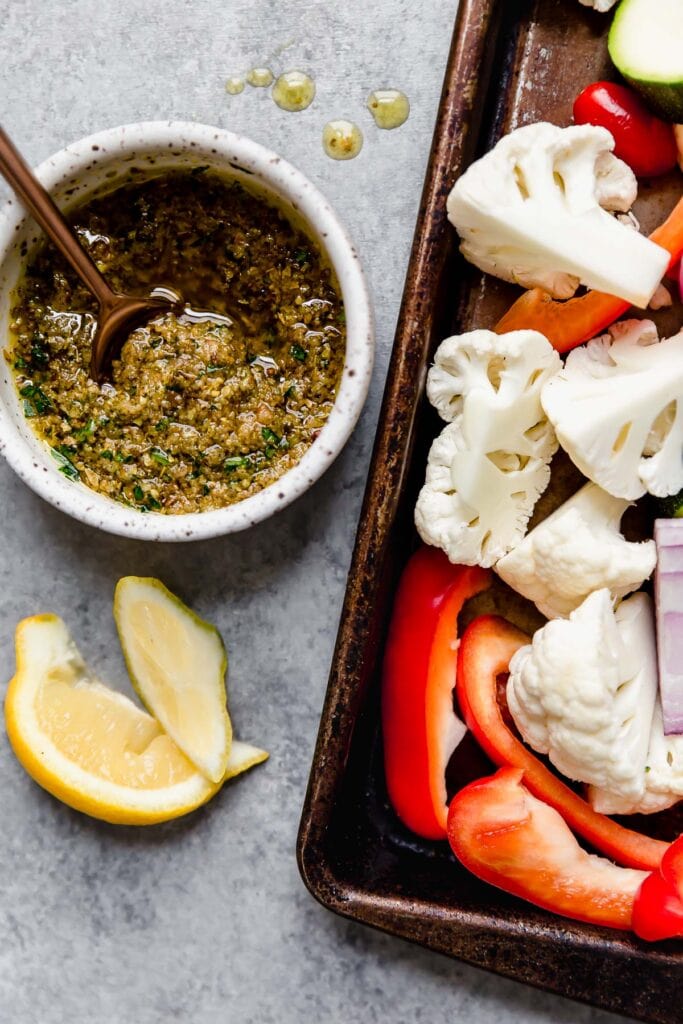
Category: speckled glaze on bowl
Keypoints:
(105, 161)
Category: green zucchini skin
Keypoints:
(665, 100)
(664, 97)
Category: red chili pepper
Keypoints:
(509, 838)
(484, 654)
(643, 141)
(419, 723)
(569, 323)
(658, 908)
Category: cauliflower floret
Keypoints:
(476, 505)
(488, 467)
(583, 692)
(663, 777)
(576, 550)
(617, 409)
(616, 188)
(599, 5)
(498, 365)
(534, 211)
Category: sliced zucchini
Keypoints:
(646, 46)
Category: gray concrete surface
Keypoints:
(206, 921)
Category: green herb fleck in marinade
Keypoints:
(197, 415)
(39, 354)
(40, 401)
(86, 432)
(160, 456)
(66, 466)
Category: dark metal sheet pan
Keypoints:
(511, 63)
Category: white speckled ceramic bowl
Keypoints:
(104, 161)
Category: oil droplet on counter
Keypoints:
(294, 91)
(260, 78)
(389, 107)
(234, 85)
(342, 140)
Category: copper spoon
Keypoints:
(119, 314)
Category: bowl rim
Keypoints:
(67, 166)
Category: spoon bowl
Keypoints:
(117, 320)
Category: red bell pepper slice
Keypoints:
(484, 654)
(512, 840)
(420, 727)
(570, 323)
(658, 907)
(644, 141)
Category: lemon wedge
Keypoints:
(243, 757)
(177, 664)
(90, 746)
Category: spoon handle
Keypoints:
(34, 197)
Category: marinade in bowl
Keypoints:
(198, 413)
